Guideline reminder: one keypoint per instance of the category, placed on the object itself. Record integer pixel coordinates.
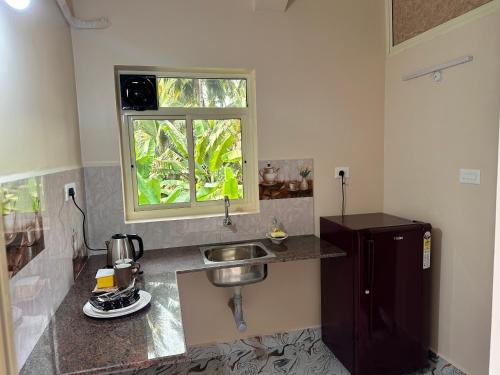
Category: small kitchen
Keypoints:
(252, 187)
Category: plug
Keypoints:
(69, 191)
(342, 172)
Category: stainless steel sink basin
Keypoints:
(241, 254)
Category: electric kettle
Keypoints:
(121, 246)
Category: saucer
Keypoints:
(278, 240)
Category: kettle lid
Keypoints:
(119, 236)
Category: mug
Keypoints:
(135, 266)
(123, 275)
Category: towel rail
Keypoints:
(437, 70)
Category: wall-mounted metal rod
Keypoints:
(438, 69)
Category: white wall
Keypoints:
(38, 116)
(432, 130)
(319, 68)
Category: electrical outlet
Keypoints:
(345, 169)
(66, 190)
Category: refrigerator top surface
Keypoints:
(370, 221)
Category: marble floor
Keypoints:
(298, 353)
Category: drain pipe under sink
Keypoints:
(236, 305)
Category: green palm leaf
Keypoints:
(149, 190)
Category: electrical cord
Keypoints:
(343, 192)
(72, 195)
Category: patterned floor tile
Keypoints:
(294, 353)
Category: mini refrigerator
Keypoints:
(375, 302)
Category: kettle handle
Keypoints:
(132, 237)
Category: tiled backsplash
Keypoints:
(105, 208)
(43, 278)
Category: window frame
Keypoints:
(193, 209)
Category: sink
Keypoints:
(241, 254)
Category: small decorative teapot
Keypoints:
(269, 174)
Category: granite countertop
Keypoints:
(76, 344)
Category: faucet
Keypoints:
(227, 219)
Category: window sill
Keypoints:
(192, 217)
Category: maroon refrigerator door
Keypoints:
(391, 333)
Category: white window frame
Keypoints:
(249, 204)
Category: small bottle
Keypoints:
(277, 231)
(275, 225)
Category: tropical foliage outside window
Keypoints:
(184, 159)
(202, 92)
(218, 159)
(161, 161)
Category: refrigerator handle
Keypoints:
(370, 267)
(369, 285)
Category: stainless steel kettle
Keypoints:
(121, 246)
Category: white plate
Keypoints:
(144, 300)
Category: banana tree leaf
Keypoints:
(150, 127)
(183, 197)
(174, 183)
(174, 195)
(206, 191)
(172, 166)
(149, 190)
(201, 149)
(177, 138)
(199, 127)
(143, 148)
(200, 172)
(215, 138)
(215, 158)
(232, 156)
(230, 187)
(144, 159)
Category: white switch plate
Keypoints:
(66, 190)
(470, 176)
(338, 169)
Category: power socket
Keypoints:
(71, 185)
(339, 169)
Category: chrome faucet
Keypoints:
(227, 219)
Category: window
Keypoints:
(199, 146)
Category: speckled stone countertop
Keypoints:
(76, 344)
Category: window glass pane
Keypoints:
(161, 155)
(203, 92)
(218, 160)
